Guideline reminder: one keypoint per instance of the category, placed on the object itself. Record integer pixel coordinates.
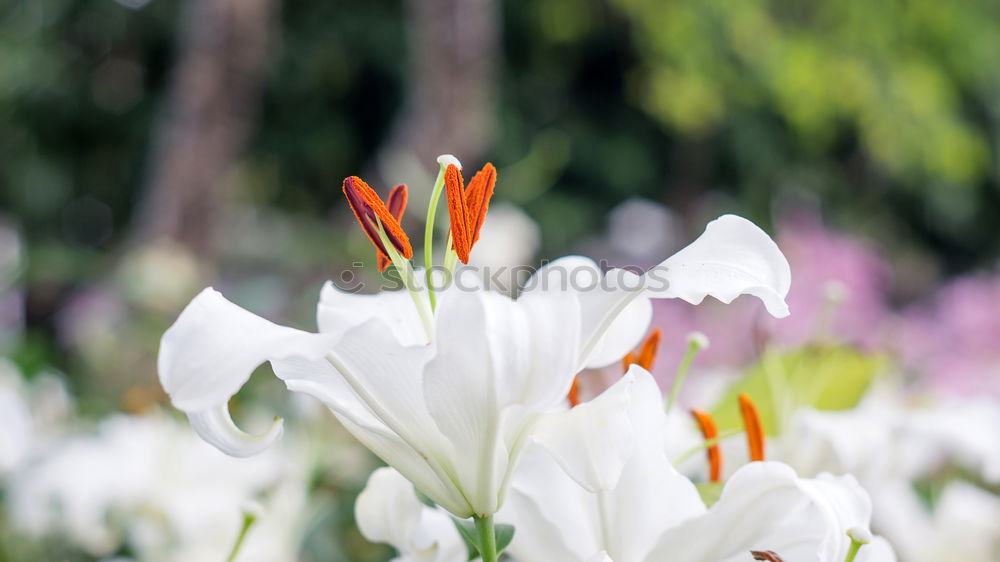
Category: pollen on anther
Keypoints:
(396, 203)
(458, 212)
(753, 427)
(371, 212)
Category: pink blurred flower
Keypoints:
(953, 338)
(826, 265)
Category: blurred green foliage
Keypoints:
(884, 111)
(821, 376)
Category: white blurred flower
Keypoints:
(148, 483)
(31, 413)
(890, 446)
(388, 511)
(510, 238)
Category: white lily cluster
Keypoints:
(462, 391)
(145, 485)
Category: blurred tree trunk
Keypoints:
(211, 108)
(454, 46)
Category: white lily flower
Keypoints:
(653, 513)
(388, 511)
(449, 402)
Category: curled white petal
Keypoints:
(732, 257)
(446, 159)
(214, 346)
(217, 427)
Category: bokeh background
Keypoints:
(151, 148)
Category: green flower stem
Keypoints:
(406, 273)
(487, 538)
(429, 233)
(248, 520)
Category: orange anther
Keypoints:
(754, 428)
(710, 431)
(467, 206)
(477, 198)
(370, 211)
(646, 353)
(574, 393)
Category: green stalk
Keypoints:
(248, 521)
(429, 233)
(487, 538)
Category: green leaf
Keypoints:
(467, 529)
(826, 377)
(504, 534)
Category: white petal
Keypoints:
(879, 550)
(651, 495)
(765, 506)
(555, 518)
(460, 390)
(593, 441)
(613, 316)
(625, 332)
(388, 510)
(339, 311)
(732, 257)
(216, 426)
(214, 346)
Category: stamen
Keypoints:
(396, 203)
(754, 429)
(574, 393)
(458, 211)
(467, 206)
(628, 361)
(769, 555)
(477, 198)
(710, 432)
(646, 353)
(370, 211)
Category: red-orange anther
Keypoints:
(396, 203)
(467, 206)
(754, 428)
(710, 431)
(646, 353)
(370, 211)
